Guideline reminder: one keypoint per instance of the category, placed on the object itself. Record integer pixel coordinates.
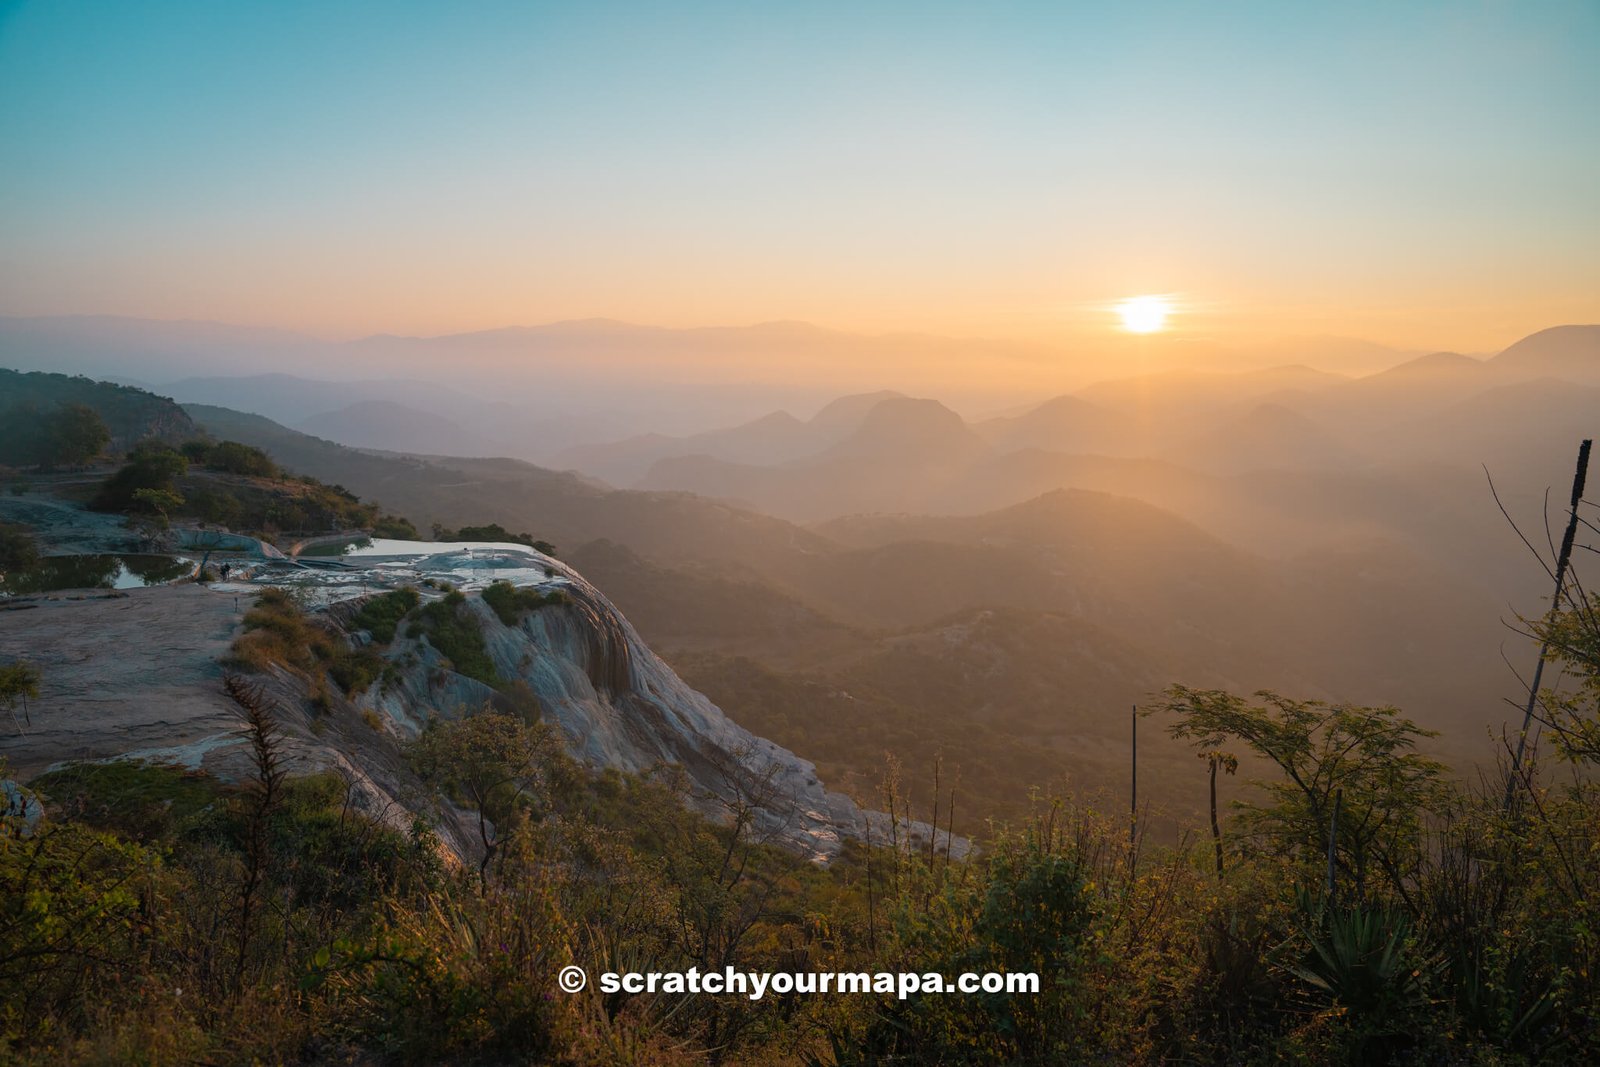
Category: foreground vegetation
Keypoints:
(161, 916)
(1362, 907)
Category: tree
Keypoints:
(18, 551)
(151, 465)
(159, 501)
(234, 458)
(67, 436)
(394, 527)
(490, 762)
(18, 682)
(1216, 760)
(1367, 752)
(20, 434)
(1573, 639)
(74, 435)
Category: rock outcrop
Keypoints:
(20, 811)
(620, 706)
(138, 674)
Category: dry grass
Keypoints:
(278, 634)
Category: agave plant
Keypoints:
(1501, 993)
(1236, 958)
(1361, 959)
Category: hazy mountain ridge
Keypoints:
(130, 414)
(1375, 623)
(775, 438)
(1380, 580)
(552, 387)
(393, 427)
(1284, 417)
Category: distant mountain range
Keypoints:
(1272, 459)
(886, 574)
(537, 390)
(1373, 621)
(386, 425)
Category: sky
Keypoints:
(1421, 175)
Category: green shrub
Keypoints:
(492, 532)
(67, 435)
(381, 614)
(70, 927)
(135, 798)
(355, 671)
(509, 602)
(234, 458)
(395, 528)
(457, 638)
(18, 550)
(214, 506)
(151, 466)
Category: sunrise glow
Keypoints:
(1144, 314)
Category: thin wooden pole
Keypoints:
(1216, 828)
(1133, 798)
(872, 917)
(1579, 477)
(950, 820)
(1333, 840)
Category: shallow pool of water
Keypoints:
(382, 546)
(373, 565)
(127, 571)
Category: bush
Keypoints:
(134, 798)
(70, 923)
(75, 434)
(382, 614)
(492, 532)
(1029, 910)
(355, 671)
(213, 506)
(18, 550)
(151, 466)
(457, 638)
(395, 528)
(509, 602)
(158, 502)
(277, 633)
(68, 435)
(232, 457)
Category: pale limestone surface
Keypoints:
(138, 673)
(120, 672)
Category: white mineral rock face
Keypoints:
(20, 811)
(620, 706)
(138, 674)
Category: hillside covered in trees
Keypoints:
(29, 402)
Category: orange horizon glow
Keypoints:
(1004, 175)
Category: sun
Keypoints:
(1144, 314)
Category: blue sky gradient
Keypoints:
(1417, 173)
